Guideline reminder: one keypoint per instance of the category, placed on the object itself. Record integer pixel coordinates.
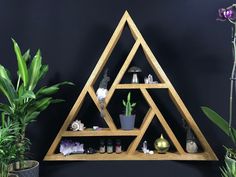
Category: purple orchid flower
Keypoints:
(227, 14)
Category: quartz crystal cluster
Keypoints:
(68, 147)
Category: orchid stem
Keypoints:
(232, 80)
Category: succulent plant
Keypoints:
(128, 105)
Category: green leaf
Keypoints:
(57, 101)
(52, 89)
(34, 71)
(4, 73)
(21, 64)
(31, 117)
(5, 108)
(134, 104)
(128, 97)
(26, 95)
(21, 90)
(8, 90)
(43, 71)
(26, 55)
(40, 105)
(47, 90)
(216, 119)
(124, 103)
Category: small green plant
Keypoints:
(8, 147)
(128, 105)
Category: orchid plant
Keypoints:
(227, 14)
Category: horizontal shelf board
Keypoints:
(138, 86)
(125, 156)
(102, 132)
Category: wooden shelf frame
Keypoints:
(131, 153)
(125, 156)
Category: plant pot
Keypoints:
(31, 169)
(127, 122)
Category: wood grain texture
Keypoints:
(162, 121)
(146, 122)
(125, 156)
(103, 132)
(122, 70)
(138, 86)
(131, 153)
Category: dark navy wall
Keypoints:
(192, 47)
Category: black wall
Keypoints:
(192, 47)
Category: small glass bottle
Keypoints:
(118, 146)
(102, 148)
(109, 147)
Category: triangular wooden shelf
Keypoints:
(131, 153)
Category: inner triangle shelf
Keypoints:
(153, 112)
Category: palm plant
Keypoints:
(24, 100)
(8, 148)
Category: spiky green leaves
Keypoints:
(34, 70)
(23, 71)
(128, 105)
(6, 86)
(26, 103)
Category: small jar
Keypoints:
(109, 147)
(118, 147)
(102, 148)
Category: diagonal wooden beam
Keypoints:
(107, 118)
(108, 50)
(68, 120)
(146, 122)
(187, 116)
(162, 121)
(122, 70)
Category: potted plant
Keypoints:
(227, 14)
(127, 120)
(230, 157)
(25, 103)
(8, 148)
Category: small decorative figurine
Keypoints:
(77, 125)
(102, 92)
(135, 70)
(161, 145)
(149, 80)
(68, 147)
(191, 146)
(191, 142)
(145, 149)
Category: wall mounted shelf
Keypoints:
(131, 153)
